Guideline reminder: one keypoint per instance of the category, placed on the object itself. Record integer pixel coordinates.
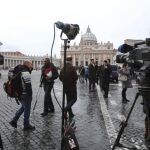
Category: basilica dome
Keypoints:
(88, 38)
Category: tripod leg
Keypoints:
(124, 124)
(1, 143)
(38, 92)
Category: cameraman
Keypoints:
(145, 84)
(49, 74)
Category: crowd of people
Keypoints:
(100, 74)
(96, 74)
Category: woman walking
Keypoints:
(126, 80)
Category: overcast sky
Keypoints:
(27, 25)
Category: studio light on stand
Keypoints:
(71, 31)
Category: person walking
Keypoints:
(81, 74)
(70, 85)
(86, 74)
(105, 77)
(25, 96)
(92, 75)
(99, 74)
(125, 71)
(48, 75)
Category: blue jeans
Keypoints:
(71, 99)
(26, 107)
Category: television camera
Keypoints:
(138, 58)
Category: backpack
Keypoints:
(11, 85)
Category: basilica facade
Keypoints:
(89, 48)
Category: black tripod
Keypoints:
(1, 143)
(66, 41)
(124, 124)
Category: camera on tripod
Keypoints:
(138, 59)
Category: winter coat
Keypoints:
(82, 71)
(71, 77)
(126, 71)
(86, 73)
(49, 74)
(105, 73)
(92, 71)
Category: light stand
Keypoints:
(71, 31)
(66, 41)
(1, 143)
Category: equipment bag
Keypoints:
(9, 89)
(11, 86)
(70, 142)
(69, 139)
(122, 77)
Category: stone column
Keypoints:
(94, 57)
(83, 59)
(74, 60)
(4, 63)
(13, 63)
(7, 61)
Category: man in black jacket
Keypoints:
(70, 85)
(49, 74)
(25, 94)
(105, 77)
(92, 75)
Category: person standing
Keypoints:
(25, 96)
(92, 75)
(105, 77)
(48, 75)
(125, 71)
(86, 74)
(99, 74)
(70, 85)
(81, 74)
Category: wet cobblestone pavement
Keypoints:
(91, 131)
(97, 119)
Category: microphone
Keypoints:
(124, 48)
